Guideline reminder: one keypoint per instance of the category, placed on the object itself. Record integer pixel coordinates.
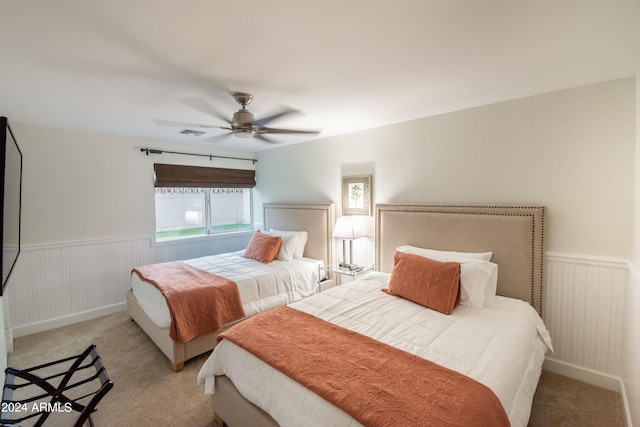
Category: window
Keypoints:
(182, 212)
(195, 201)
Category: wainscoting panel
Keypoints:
(64, 283)
(60, 283)
(363, 251)
(584, 304)
(631, 346)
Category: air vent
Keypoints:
(191, 132)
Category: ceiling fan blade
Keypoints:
(217, 138)
(173, 123)
(285, 131)
(265, 120)
(204, 107)
(131, 43)
(264, 138)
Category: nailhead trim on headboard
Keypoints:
(535, 213)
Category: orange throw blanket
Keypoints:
(199, 302)
(377, 384)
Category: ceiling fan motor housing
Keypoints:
(241, 123)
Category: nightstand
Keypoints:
(354, 272)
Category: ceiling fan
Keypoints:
(243, 124)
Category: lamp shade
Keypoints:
(344, 228)
(352, 227)
(363, 226)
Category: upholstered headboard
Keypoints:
(515, 235)
(317, 219)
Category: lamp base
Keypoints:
(344, 264)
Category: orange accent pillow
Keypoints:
(263, 247)
(433, 284)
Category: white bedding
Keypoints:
(502, 346)
(261, 286)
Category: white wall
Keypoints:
(571, 151)
(631, 319)
(88, 218)
(82, 186)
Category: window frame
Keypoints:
(207, 178)
(208, 234)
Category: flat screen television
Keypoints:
(10, 199)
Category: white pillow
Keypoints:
(287, 248)
(478, 283)
(300, 238)
(444, 255)
(478, 276)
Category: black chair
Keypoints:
(49, 398)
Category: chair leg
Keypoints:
(177, 367)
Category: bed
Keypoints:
(507, 360)
(147, 310)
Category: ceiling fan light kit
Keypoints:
(244, 124)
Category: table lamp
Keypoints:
(348, 228)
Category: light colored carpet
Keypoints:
(562, 401)
(147, 393)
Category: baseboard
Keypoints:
(593, 377)
(33, 328)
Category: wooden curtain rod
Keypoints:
(210, 156)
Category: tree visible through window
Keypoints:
(182, 212)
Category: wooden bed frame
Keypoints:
(317, 219)
(515, 235)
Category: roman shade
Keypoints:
(202, 177)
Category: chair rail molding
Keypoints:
(63, 283)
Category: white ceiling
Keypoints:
(112, 66)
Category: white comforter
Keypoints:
(261, 286)
(501, 346)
